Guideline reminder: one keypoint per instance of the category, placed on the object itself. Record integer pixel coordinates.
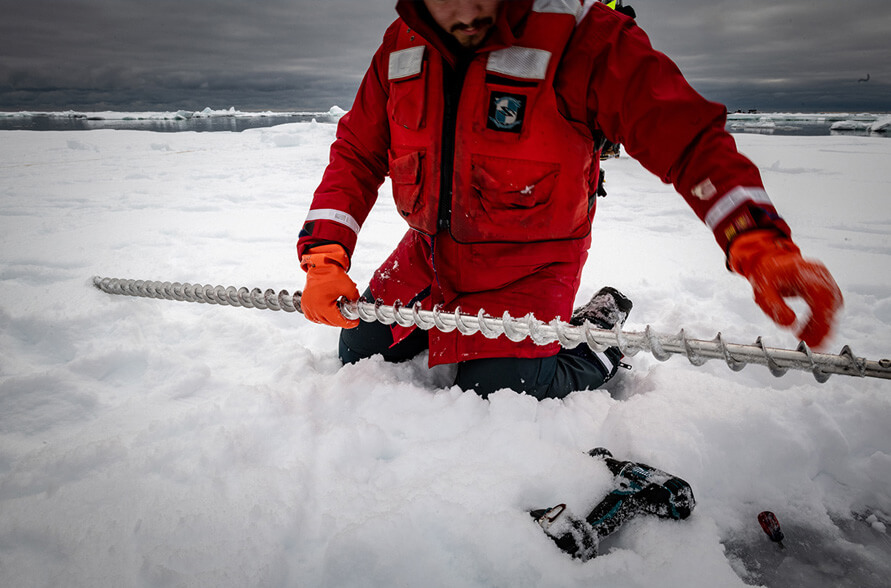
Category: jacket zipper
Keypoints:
(452, 82)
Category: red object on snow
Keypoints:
(771, 526)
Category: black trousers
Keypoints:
(544, 377)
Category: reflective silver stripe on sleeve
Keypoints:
(520, 62)
(572, 7)
(331, 214)
(405, 63)
(726, 204)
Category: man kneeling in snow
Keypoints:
(487, 116)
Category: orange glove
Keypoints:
(774, 266)
(326, 283)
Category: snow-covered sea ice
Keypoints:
(158, 443)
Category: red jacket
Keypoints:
(513, 155)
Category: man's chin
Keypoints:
(471, 41)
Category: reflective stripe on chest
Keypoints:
(520, 62)
(405, 63)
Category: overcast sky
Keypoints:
(798, 55)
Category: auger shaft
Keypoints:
(697, 351)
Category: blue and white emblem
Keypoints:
(506, 112)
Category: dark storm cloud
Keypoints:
(791, 54)
(311, 54)
(285, 54)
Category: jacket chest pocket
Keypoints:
(504, 185)
(407, 175)
(407, 75)
(508, 200)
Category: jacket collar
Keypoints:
(508, 27)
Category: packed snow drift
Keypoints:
(158, 443)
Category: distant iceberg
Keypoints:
(838, 120)
(803, 117)
(879, 124)
(882, 125)
(850, 125)
(334, 113)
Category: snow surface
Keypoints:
(157, 443)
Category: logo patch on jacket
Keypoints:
(506, 112)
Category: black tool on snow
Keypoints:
(637, 489)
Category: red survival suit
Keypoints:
(491, 159)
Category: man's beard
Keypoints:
(477, 24)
